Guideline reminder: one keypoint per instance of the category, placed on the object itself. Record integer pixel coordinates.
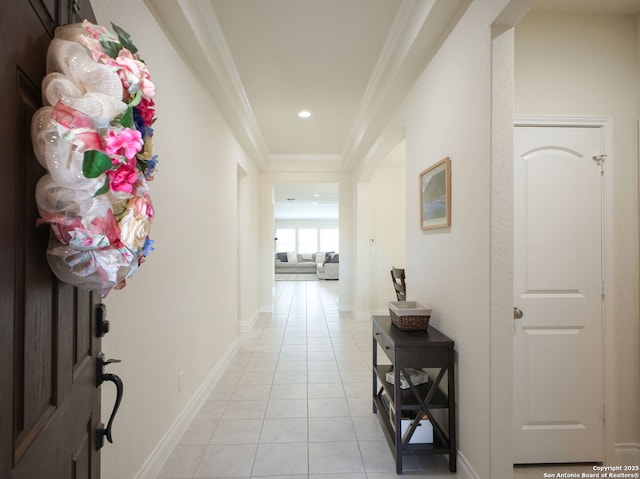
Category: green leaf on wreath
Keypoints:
(125, 38)
(95, 163)
(135, 99)
(110, 48)
(126, 119)
(104, 188)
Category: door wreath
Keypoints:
(94, 137)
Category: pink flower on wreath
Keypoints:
(147, 87)
(133, 74)
(123, 178)
(128, 140)
(97, 34)
(142, 206)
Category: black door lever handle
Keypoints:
(101, 377)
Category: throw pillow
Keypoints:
(292, 257)
(319, 258)
(282, 257)
(335, 258)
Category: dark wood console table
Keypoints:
(414, 349)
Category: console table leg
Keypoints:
(375, 380)
(451, 392)
(397, 394)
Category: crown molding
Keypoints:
(289, 157)
(419, 29)
(194, 30)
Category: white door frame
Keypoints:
(608, 324)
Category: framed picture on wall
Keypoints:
(435, 196)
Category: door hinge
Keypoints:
(604, 413)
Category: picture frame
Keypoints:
(435, 196)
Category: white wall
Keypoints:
(449, 114)
(179, 312)
(248, 281)
(587, 65)
(386, 208)
(582, 65)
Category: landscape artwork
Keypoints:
(435, 195)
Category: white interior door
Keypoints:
(558, 347)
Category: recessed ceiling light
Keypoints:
(304, 114)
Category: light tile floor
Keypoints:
(295, 402)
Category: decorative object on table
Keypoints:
(398, 279)
(435, 196)
(409, 315)
(417, 376)
(94, 137)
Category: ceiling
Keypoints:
(305, 200)
(348, 62)
(305, 55)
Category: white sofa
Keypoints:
(328, 271)
(296, 263)
(330, 268)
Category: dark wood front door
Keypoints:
(49, 402)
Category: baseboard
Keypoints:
(465, 471)
(627, 453)
(363, 316)
(266, 308)
(247, 326)
(154, 463)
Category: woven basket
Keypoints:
(409, 315)
(410, 323)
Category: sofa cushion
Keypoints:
(327, 256)
(292, 257)
(332, 258)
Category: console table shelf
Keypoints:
(414, 349)
(408, 401)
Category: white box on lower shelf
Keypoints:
(422, 434)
